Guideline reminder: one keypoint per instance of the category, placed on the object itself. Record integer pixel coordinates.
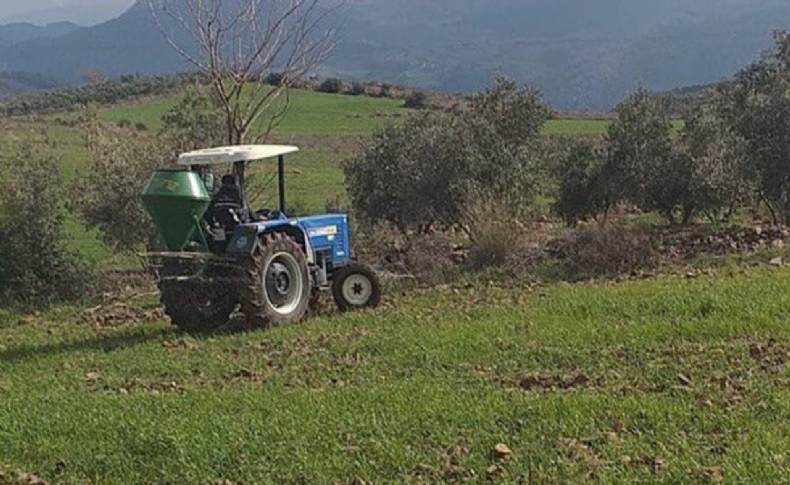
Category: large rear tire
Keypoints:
(197, 307)
(276, 287)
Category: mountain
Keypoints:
(583, 55)
(14, 33)
(82, 12)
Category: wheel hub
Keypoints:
(279, 279)
(357, 290)
(283, 283)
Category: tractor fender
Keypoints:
(247, 236)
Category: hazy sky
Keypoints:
(43, 11)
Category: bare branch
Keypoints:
(238, 43)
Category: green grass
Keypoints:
(677, 375)
(576, 126)
(310, 113)
(586, 126)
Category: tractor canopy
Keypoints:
(234, 154)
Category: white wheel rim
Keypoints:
(283, 297)
(357, 290)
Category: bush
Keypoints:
(275, 79)
(416, 100)
(331, 85)
(36, 266)
(433, 166)
(357, 89)
(493, 235)
(582, 191)
(121, 166)
(606, 251)
(109, 197)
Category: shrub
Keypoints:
(493, 235)
(109, 197)
(385, 91)
(416, 100)
(121, 166)
(582, 191)
(331, 85)
(36, 266)
(275, 79)
(357, 89)
(606, 251)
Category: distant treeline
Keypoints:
(103, 93)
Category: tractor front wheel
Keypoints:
(277, 286)
(355, 287)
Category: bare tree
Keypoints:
(238, 44)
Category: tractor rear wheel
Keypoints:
(356, 286)
(196, 307)
(276, 286)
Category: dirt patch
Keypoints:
(118, 314)
(532, 382)
(123, 301)
(20, 478)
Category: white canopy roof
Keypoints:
(244, 153)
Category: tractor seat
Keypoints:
(229, 196)
(228, 208)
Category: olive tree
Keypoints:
(759, 113)
(644, 165)
(437, 165)
(716, 153)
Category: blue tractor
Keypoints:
(221, 255)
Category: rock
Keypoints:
(778, 244)
(502, 451)
(777, 261)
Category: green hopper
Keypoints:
(177, 200)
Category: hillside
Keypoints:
(12, 83)
(14, 33)
(584, 56)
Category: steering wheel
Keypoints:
(263, 214)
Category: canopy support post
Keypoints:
(281, 181)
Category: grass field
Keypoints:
(310, 113)
(670, 380)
